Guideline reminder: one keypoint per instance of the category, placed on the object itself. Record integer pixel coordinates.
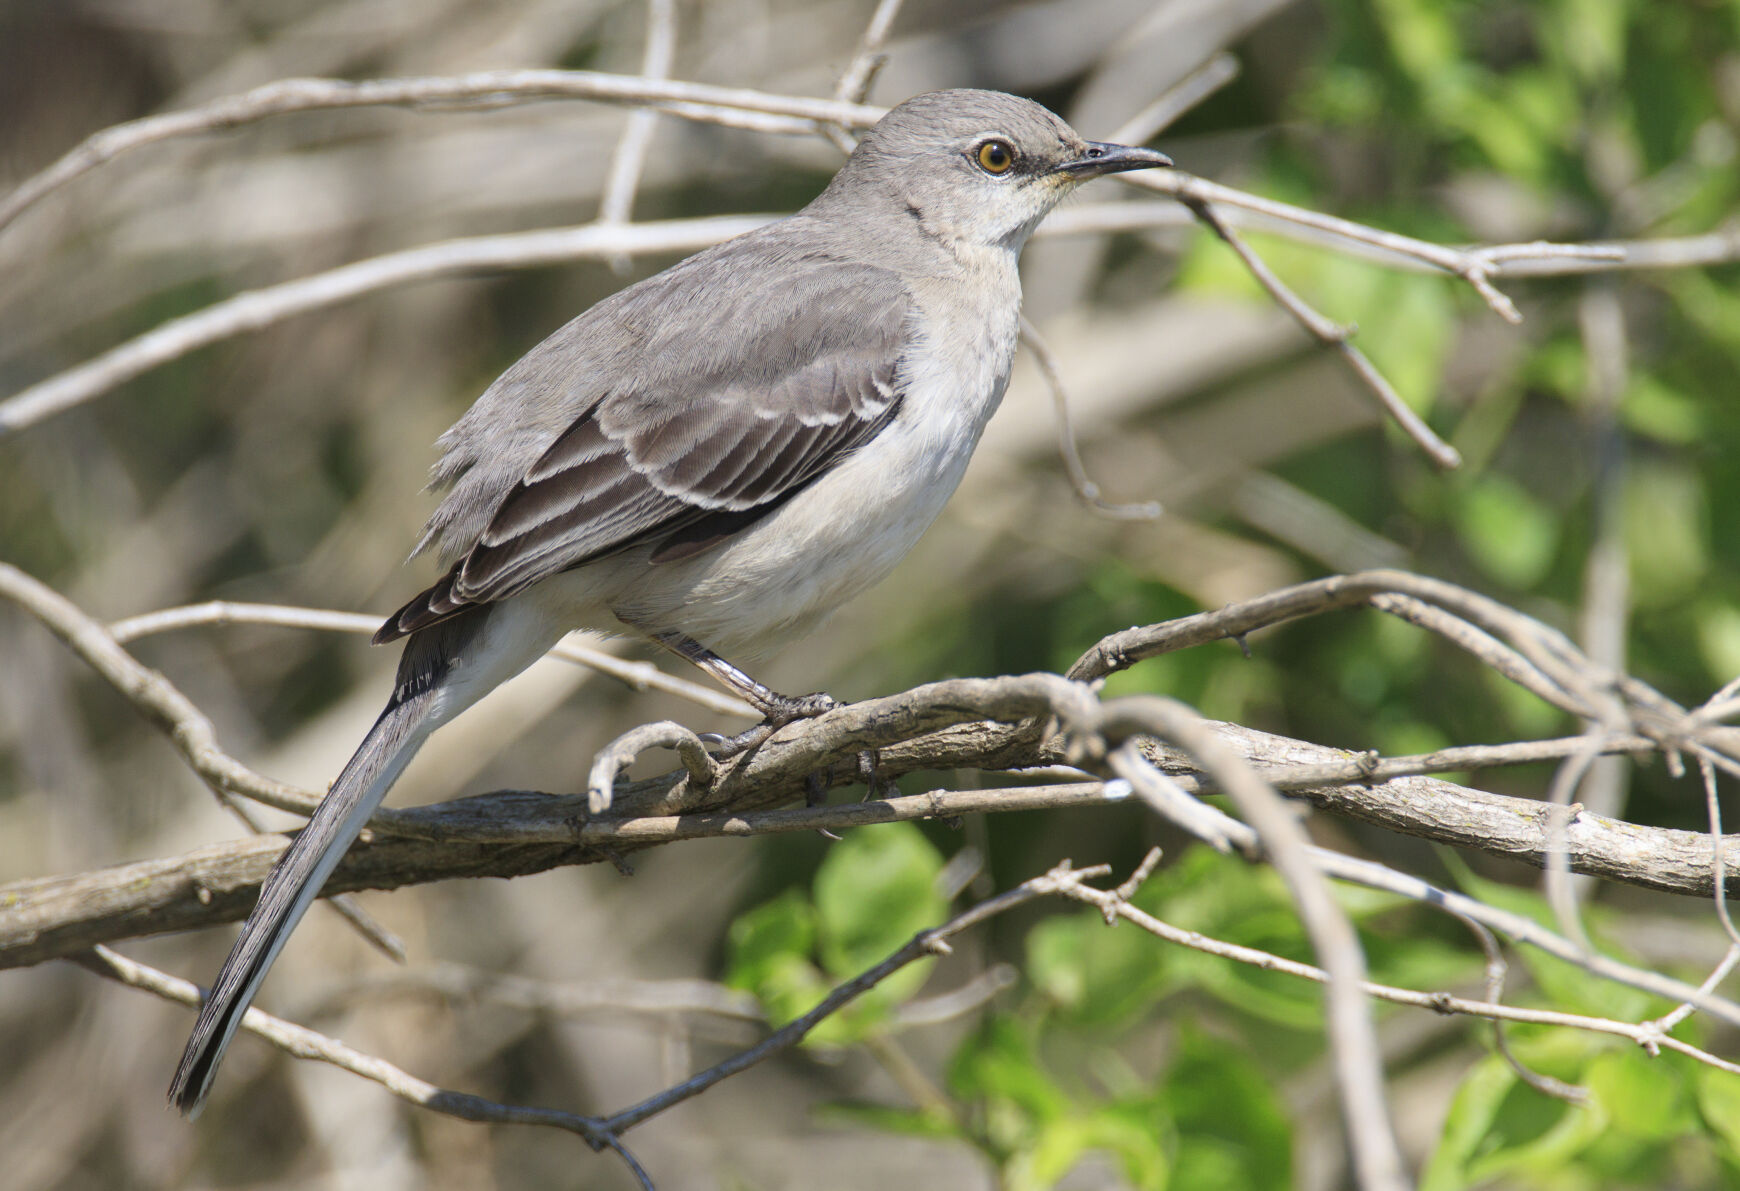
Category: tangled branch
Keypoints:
(1106, 751)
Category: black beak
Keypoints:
(1112, 159)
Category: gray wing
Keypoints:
(718, 409)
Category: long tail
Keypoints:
(431, 690)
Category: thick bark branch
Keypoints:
(515, 833)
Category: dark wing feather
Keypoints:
(685, 457)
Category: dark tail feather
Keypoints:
(434, 605)
(296, 880)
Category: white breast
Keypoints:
(779, 578)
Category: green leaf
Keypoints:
(770, 956)
(1503, 125)
(1472, 1112)
(1643, 1097)
(1566, 985)
(1719, 638)
(1422, 35)
(768, 938)
(1097, 974)
(1228, 900)
(874, 891)
(1000, 1064)
(1658, 410)
(1591, 37)
(1510, 534)
(1498, 1126)
(1129, 1137)
(1666, 532)
(1718, 1096)
(1232, 1125)
(1536, 1135)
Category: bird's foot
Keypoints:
(870, 773)
(779, 711)
(816, 784)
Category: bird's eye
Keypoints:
(995, 157)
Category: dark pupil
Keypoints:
(996, 156)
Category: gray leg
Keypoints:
(779, 709)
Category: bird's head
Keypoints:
(981, 166)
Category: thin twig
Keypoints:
(1241, 837)
(970, 997)
(304, 1043)
(158, 699)
(254, 309)
(1084, 488)
(626, 163)
(639, 676)
(655, 998)
(1329, 334)
(1115, 652)
(372, 932)
(614, 757)
(1176, 100)
(1111, 903)
(1712, 809)
(1496, 970)
(1061, 881)
(1585, 688)
(880, 723)
(925, 944)
(1561, 813)
(858, 77)
(1492, 653)
(860, 74)
(1606, 602)
(732, 106)
(1476, 265)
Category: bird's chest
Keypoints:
(958, 367)
(878, 503)
(851, 527)
(953, 379)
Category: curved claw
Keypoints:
(723, 748)
(780, 710)
(785, 709)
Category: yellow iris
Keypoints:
(996, 157)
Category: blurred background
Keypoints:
(284, 466)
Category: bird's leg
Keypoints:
(778, 709)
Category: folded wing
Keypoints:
(703, 428)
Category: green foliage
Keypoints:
(1509, 534)
(1649, 1122)
(1121, 1049)
(876, 889)
(1207, 1118)
(1073, 1066)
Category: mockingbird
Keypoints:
(714, 458)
